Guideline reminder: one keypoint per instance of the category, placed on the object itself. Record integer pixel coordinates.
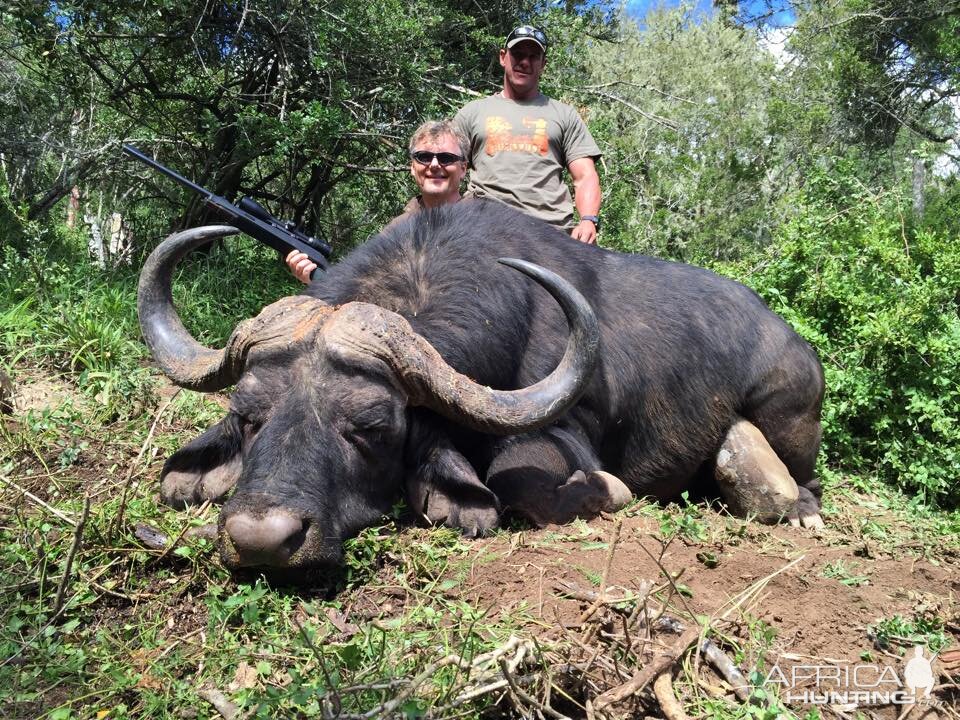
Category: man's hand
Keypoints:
(301, 266)
(585, 232)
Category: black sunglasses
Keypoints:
(425, 157)
(527, 31)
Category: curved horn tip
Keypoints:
(524, 409)
(182, 358)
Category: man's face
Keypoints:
(522, 67)
(437, 181)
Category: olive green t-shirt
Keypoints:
(519, 149)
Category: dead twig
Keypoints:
(77, 539)
(642, 677)
(590, 596)
(663, 691)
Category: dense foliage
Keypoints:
(878, 296)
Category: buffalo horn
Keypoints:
(180, 356)
(511, 411)
(430, 381)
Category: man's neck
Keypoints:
(432, 201)
(510, 94)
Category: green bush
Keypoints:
(879, 302)
(60, 311)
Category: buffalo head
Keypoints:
(334, 410)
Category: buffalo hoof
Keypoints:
(812, 521)
(582, 495)
(473, 519)
(753, 481)
(179, 489)
(616, 494)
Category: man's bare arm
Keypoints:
(586, 186)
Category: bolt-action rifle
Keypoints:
(249, 217)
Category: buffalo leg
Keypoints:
(795, 438)
(552, 477)
(205, 469)
(442, 486)
(753, 481)
(796, 441)
(444, 489)
(785, 406)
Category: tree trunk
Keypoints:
(70, 178)
(919, 177)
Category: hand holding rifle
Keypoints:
(249, 217)
(301, 266)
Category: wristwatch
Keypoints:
(595, 219)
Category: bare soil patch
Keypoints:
(818, 619)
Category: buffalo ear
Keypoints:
(442, 487)
(205, 469)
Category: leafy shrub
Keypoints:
(59, 310)
(879, 302)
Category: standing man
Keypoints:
(438, 163)
(521, 140)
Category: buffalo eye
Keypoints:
(370, 427)
(364, 436)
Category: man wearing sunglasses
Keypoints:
(438, 162)
(521, 141)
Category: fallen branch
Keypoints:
(221, 703)
(648, 672)
(663, 691)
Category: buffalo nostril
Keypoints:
(265, 540)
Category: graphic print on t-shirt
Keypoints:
(530, 138)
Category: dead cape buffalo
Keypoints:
(420, 366)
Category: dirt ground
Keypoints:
(741, 574)
(810, 596)
(814, 615)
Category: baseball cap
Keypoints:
(526, 32)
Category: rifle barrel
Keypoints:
(133, 152)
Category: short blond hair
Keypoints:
(436, 129)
